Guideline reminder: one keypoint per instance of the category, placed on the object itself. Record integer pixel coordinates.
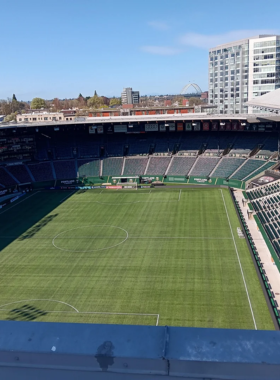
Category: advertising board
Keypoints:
(205, 126)
(100, 129)
(151, 127)
(196, 126)
(91, 129)
(120, 128)
(162, 128)
(172, 127)
(188, 126)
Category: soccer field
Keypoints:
(149, 257)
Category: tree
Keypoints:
(115, 102)
(195, 101)
(57, 104)
(37, 103)
(95, 102)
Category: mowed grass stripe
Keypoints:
(189, 282)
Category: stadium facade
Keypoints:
(242, 70)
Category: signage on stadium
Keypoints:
(200, 180)
(120, 128)
(3, 192)
(172, 127)
(14, 199)
(151, 127)
(162, 128)
(68, 182)
(174, 179)
(114, 187)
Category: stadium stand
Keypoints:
(270, 147)
(157, 165)
(135, 166)
(217, 145)
(112, 166)
(204, 165)
(264, 190)
(181, 165)
(65, 169)
(245, 143)
(87, 149)
(266, 166)
(227, 166)
(139, 145)
(89, 168)
(6, 179)
(249, 166)
(42, 149)
(20, 172)
(41, 171)
(162, 146)
(266, 202)
(192, 143)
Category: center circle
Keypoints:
(90, 238)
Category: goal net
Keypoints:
(129, 183)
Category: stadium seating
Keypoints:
(41, 171)
(267, 166)
(204, 166)
(158, 165)
(266, 202)
(135, 166)
(89, 168)
(245, 143)
(227, 166)
(181, 165)
(65, 169)
(20, 172)
(6, 179)
(270, 147)
(112, 166)
(193, 142)
(249, 166)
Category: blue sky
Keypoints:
(63, 47)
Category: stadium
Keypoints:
(140, 222)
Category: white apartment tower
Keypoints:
(242, 70)
(130, 97)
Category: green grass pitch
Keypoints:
(165, 257)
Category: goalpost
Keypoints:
(128, 183)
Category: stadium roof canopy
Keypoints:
(269, 101)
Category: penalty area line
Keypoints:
(90, 312)
(240, 265)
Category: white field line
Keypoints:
(38, 299)
(17, 203)
(2, 308)
(101, 191)
(237, 254)
(119, 237)
(67, 196)
(180, 195)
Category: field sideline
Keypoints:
(160, 257)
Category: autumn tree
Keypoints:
(37, 103)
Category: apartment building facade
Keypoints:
(242, 70)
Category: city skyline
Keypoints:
(61, 49)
